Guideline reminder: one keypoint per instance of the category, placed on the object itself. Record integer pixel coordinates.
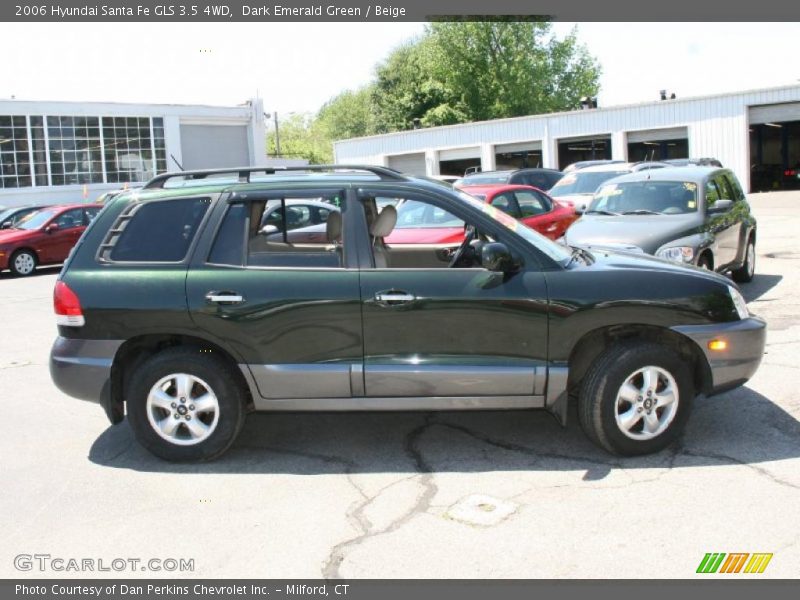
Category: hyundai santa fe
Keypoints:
(177, 311)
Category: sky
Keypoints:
(296, 67)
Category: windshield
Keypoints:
(6, 214)
(646, 197)
(483, 178)
(555, 251)
(36, 220)
(582, 182)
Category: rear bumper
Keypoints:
(736, 364)
(82, 369)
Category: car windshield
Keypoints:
(555, 251)
(582, 182)
(646, 197)
(483, 178)
(35, 220)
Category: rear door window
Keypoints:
(506, 203)
(281, 232)
(532, 203)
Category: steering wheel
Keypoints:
(471, 234)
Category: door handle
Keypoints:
(224, 297)
(394, 297)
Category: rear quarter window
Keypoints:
(155, 231)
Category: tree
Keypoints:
(348, 115)
(301, 137)
(469, 71)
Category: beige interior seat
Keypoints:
(380, 228)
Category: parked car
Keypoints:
(692, 215)
(44, 237)
(582, 164)
(11, 216)
(578, 187)
(166, 316)
(543, 179)
(532, 206)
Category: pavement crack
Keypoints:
(537, 455)
(730, 459)
(424, 476)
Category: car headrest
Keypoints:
(385, 222)
(333, 226)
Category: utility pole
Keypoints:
(274, 117)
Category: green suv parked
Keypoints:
(181, 309)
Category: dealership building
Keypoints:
(756, 133)
(54, 152)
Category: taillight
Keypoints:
(67, 306)
(790, 173)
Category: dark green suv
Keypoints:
(181, 308)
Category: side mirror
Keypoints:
(269, 229)
(580, 209)
(495, 256)
(5, 225)
(720, 206)
(51, 228)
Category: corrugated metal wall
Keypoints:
(717, 127)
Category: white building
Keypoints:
(54, 152)
(756, 133)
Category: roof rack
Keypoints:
(243, 173)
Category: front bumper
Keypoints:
(82, 369)
(736, 364)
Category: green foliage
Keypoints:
(350, 114)
(301, 137)
(456, 72)
(471, 71)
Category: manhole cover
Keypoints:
(481, 510)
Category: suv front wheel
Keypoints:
(635, 398)
(185, 404)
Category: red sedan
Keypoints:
(421, 223)
(530, 205)
(45, 237)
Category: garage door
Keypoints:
(213, 146)
(518, 147)
(658, 135)
(775, 113)
(460, 153)
(413, 164)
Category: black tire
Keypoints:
(223, 383)
(704, 262)
(30, 255)
(597, 403)
(747, 271)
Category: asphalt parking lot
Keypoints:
(496, 495)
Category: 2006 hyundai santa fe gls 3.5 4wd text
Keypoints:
(181, 310)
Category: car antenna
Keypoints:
(175, 160)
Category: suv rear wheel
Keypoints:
(184, 404)
(635, 398)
